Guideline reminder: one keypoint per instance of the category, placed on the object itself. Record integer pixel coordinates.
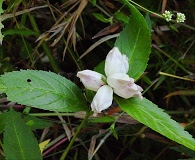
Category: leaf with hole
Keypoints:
(43, 90)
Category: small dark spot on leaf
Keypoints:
(28, 80)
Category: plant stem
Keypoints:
(102, 10)
(144, 9)
(174, 76)
(51, 114)
(159, 15)
(75, 135)
(44, 45)
(75, 58)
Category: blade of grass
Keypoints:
(44, 45)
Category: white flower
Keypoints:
(116, 67)
(102, 99)
(91, 80)
(119, 80)
(130, 90)
(167, 15)
(116, 62)
(180, 17)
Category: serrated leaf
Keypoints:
(150, 115)
(44, 90)
(19, 141)
(135, 42)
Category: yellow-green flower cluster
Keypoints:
(167, 16)
(180, 17)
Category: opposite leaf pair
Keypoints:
(117, 81)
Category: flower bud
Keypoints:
(131, 90)
(102, 100)
(119, 80)
(91, 79)
(116, 62)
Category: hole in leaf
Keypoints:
(28, 80)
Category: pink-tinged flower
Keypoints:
(116, 67)
(91, 79)
(102, 100)
(119, 80)
(130, 90)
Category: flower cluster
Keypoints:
(180, 17)
(168, 16)
(117, 81)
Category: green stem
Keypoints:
(44, 45)
(102, 10)
(159, 15)
(75, 57)
(75, 135)
(145, 9)
(51, 114)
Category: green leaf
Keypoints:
(12, 4)
(2, 88)
(102, 18)
(36, 123)
(150, 115)
(135, 42)
(100, 68)
(94, 2)
(19, 141)
(22, 31)
(3, 117)
(44, 90)
(121, 17)
(1, 9)
(112, 128)
(183, 149)
(148, 21)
